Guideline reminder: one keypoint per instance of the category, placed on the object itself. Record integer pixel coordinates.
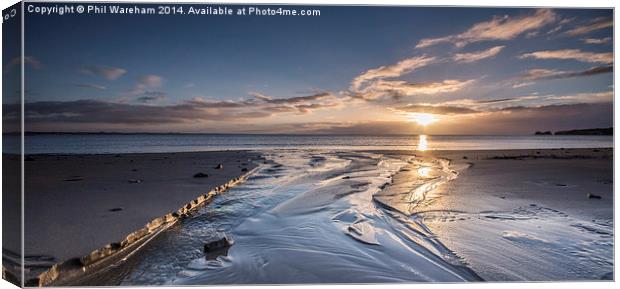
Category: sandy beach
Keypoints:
(79, 203)
(446, 215)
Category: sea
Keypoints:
(156, 143)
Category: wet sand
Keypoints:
(79, 203)
(479, 216)
(526, 215)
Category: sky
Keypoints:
(351, 70)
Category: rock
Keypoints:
(135, 181)
(244, 169)
(201, 175)
(219, 167)
(217, 246)
(593, 196)
(465, 157)
(116, 209)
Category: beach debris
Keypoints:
(593, 196)
(201, 175)
(219, 166)
(135, 181)
(218, 246)
(118, 209)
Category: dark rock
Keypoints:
(219, 167)
(201, 175)
(593, 196)
(244, 169)
(465, 157)
(218, 246)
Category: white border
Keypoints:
(479, 3)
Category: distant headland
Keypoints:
(590, 131)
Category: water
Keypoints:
(305, 217)
(140, 143)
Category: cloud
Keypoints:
(509, 121)
(399, 89)
(539, 73)
(477, 55)
(29, 61)
(145, 82)
(435, 109)
(576, 54)
(596, 24)
(109, 73)
(472, 106)
(498, 28)
(596, 40)
(91, 85)
(151, 96)
(145, 112)
(391, 71)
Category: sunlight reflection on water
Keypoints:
(422, 142)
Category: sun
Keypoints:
(423, 119)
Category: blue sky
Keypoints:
(350, 70)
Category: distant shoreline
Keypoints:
(33, 133)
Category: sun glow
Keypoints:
(423, 119)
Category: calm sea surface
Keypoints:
(140, 143)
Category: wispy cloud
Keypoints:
(596, 40)
(91, 85)
(109, 73)
(477, 55)
(145, 82)
(540, 73)
(391, 71)
(596, 24)
(29, 61)
(396, 89)
(576, 54)
(151, 96)
(435, 109)
(498, 28)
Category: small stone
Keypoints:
(465, 157)
(201, 175)
(116, 209)
(219, 167)
(593, 196)
(244, 169)
(217, 246)
(135, 181)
